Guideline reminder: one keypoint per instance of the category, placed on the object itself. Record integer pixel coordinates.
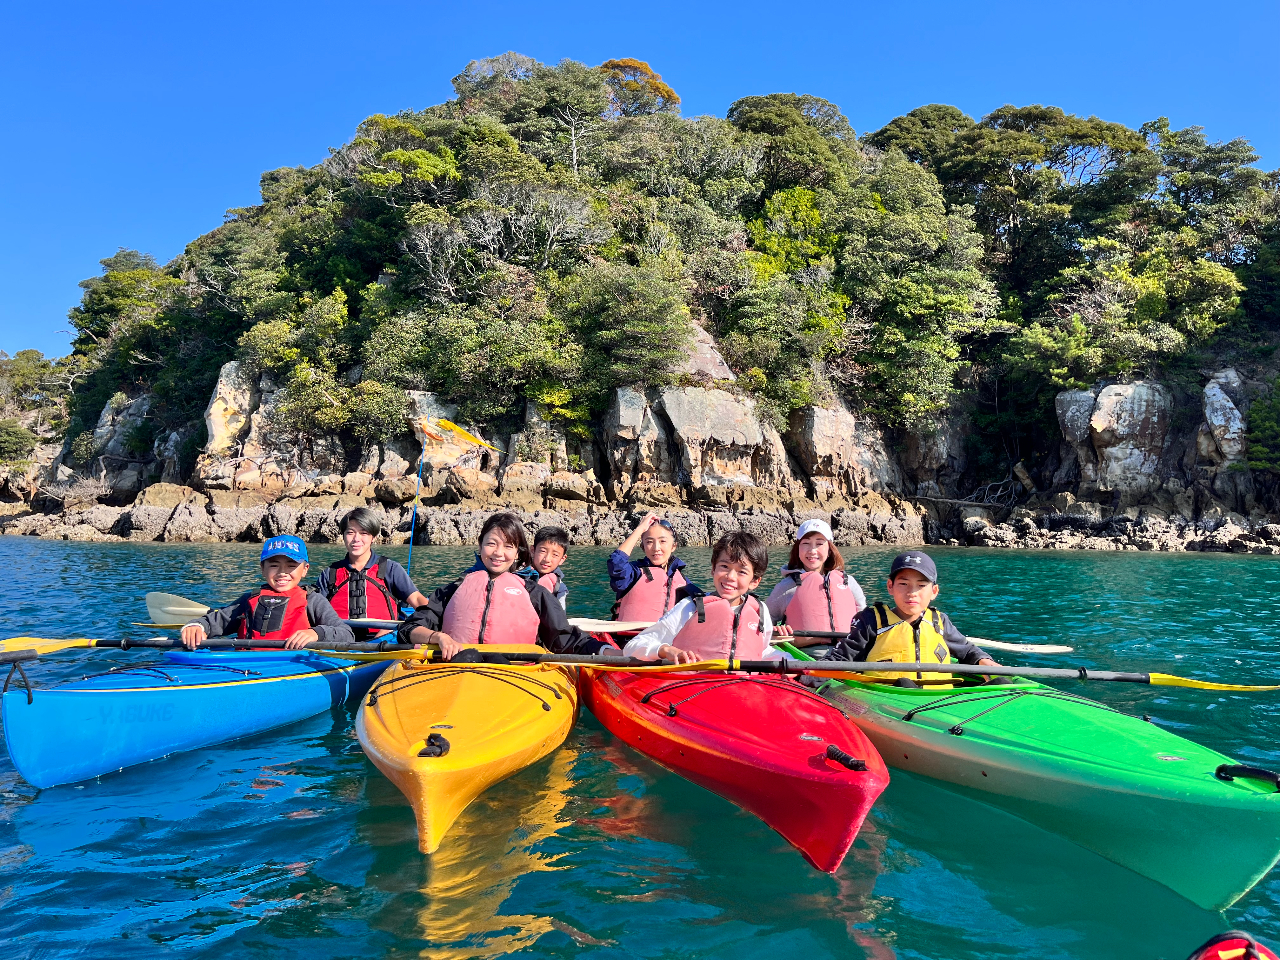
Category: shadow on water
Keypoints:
(291, 843)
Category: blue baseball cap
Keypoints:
(286, 546)
(921, 563)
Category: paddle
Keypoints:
(980, 641)
(818, 668)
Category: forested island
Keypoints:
(1029, 328)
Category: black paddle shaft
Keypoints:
(962, 669)
(237, 643)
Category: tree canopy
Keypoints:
(554, 231)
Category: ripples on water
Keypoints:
(291, 843)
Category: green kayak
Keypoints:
(1123, 787)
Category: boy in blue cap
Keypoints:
(278, 610)
(910, 632)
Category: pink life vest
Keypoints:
(488, 609)
(823, 601)
(720, 631)
(650, 596)
(551, 581)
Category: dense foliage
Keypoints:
(553, 231)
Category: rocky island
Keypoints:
(740, 322)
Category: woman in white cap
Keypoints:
(815, 593)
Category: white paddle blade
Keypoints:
(166, 608)
(1021, 647)
(587, 625)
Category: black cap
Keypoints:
(921, 563)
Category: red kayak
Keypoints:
(766, 744)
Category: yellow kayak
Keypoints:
(444, 733)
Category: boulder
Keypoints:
(237, 515)
(637, 444)
(190, 522)
(1223, 437)
(523, 482)
(1118, 434)
(395, 491)
(469, 483)
(564, 485)
(704, 361)
(235, 398)
(717, 436)
(843, 454)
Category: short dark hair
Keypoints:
(551, 535)
(740, 545)
(509, 525)
(365, 519)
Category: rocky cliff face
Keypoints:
(1126, 477)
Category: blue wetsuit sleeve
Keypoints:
(622, 571)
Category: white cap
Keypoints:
(815, 526)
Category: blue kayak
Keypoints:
(80, 729)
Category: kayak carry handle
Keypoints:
(844, 759)
(437, 746)
(1231, 771)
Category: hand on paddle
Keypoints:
(193, 635)
(676, 655)
(421, 636)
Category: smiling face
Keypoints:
(282, 574)
(814, 550)
(547, 556)
(734, 578)
(912, 593)
(658, 544)
(497, 553)
(359, 542)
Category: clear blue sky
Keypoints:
(138, 125)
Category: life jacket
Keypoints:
(898, 641)
(650, 596)
(720, 631)
(822, 601)
(275, 616)
(351, 596)
(551, 581)
(487, 609)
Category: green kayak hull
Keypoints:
(1120, 786)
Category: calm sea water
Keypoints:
(292, 844)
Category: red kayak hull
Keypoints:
(759, 742)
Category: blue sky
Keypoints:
(139, 125)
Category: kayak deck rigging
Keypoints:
(1006, 697)
(396, 684)
(706, 685)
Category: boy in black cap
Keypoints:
(910, 632)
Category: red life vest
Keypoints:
(551, 581)
(721, 631)
(822, 601)
(488, 609)
(650, 596)
(356, 594)
(275, 616)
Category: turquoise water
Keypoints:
(291, 843)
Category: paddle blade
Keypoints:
(1168, 680)
(41, 646)
(588, 625)
(167, 608)
(1021, 647)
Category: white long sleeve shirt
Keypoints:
(644, 645)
